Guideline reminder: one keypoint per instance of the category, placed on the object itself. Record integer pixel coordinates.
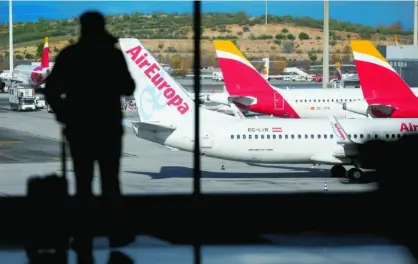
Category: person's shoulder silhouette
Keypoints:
(92, 73)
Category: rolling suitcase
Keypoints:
(49, 223)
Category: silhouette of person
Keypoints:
(92, 75)
(84, 91)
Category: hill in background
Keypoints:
(170, 36)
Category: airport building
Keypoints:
(404, 59)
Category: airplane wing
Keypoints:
(342, 137)
(244, 100)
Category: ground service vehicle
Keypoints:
(21, 98)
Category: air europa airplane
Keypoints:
(251, 92)
(298, 141)
(386, 93)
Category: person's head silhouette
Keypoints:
(93, 25)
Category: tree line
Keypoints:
(161, 25)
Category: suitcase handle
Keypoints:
(63, 153)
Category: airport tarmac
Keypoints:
(29, 145)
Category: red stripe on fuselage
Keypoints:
(241, 80)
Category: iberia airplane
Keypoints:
(249, 91)
(166, 114)
(386, 93)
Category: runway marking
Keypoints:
(6, 143)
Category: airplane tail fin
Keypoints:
(266, 69)
(339, 73)
(377, 77)
(45, 54)
(160, 99)
(240, 76)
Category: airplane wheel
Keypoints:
(355, 174)
(338, 171)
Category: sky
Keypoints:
(372, 13)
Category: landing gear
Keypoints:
(355, 174)
(338, 171)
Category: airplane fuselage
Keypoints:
(284, 141)
(302, 103)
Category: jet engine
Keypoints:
(359, 107)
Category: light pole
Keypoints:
(11, 57)
(415, 22)
(325, 55)
(266, 12)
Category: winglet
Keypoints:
(342, 137)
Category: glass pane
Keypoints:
(146, 166)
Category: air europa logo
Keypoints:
(408, 127)
(337, 127)
(152, 71)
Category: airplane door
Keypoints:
(206, 142)
(278, 101)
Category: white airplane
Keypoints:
(166, 114)
(249, 91)
(30, 74)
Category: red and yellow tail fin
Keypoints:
(238, 73)
(45, 54)
(377, 77)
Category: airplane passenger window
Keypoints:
(274, 136)
(299, 136)
(332, 100)
(319, 136)
(280, 136)
(399, 135)
(237, 136)
(376, 136)
(262, 136)
(355, 135)
(349, 100)
(285, 136)
(243, 136)
(256, 136)
(361, 135)
(325, 136)
(292, 136)
(349, 135)
(249, 136)
(369, 136)
(232, 136)
(268, 136)
(306, 136)
(331, 136)
(312, 136)
(296, 101)
(314, 100)
(393, 135)
(387, 135)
